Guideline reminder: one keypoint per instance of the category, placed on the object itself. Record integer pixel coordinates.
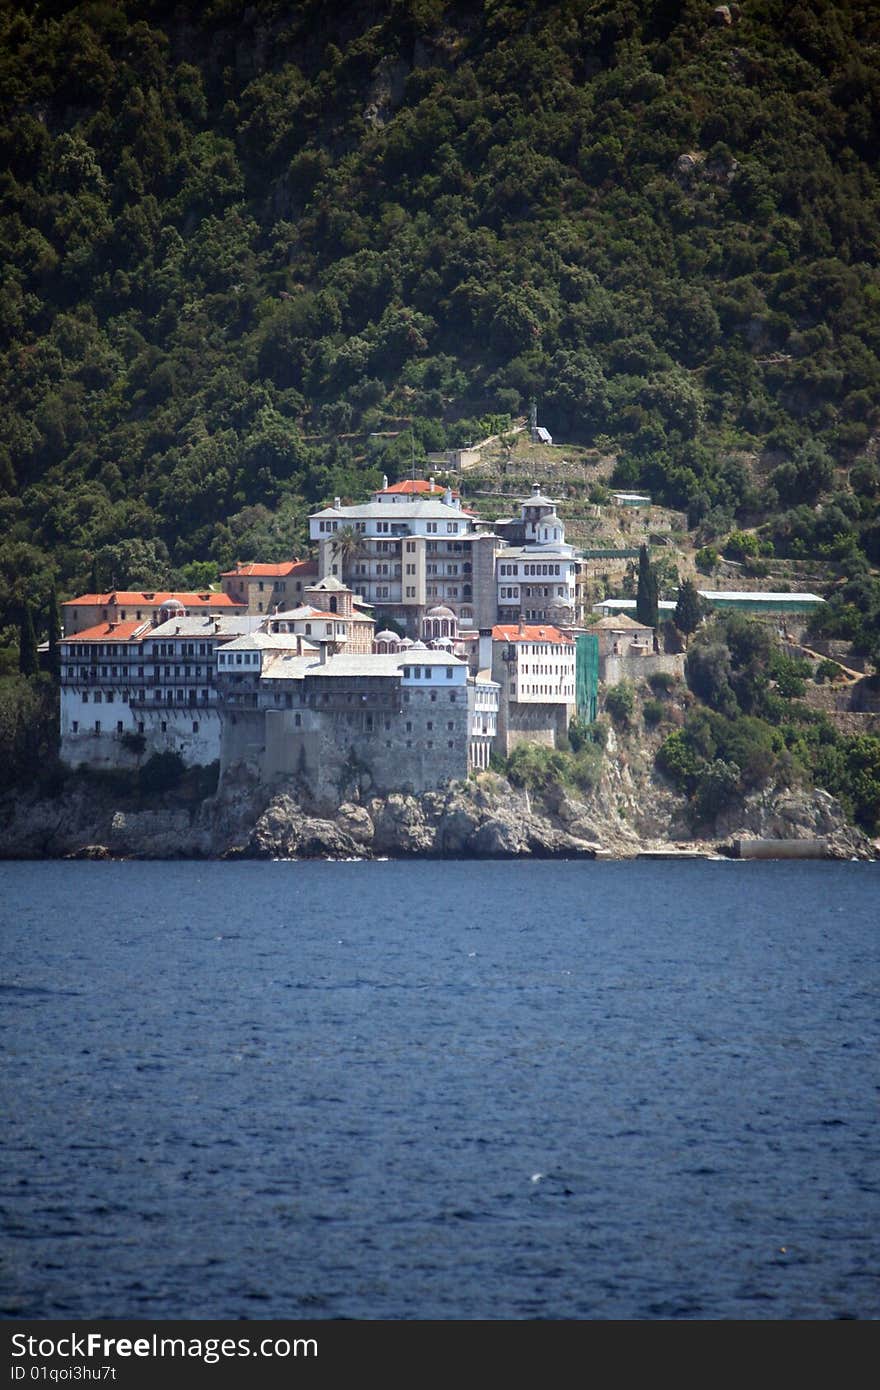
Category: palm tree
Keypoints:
(346, 546)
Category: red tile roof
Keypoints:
(114, 632)
(150, 599)
(530, 632)
(280, 568)
(414, 485)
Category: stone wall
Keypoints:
(530, 723)
(339, 753)
(640, 668)
(193, 732)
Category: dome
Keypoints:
(440, 612)
(386, 637)
(418, 647)
(171, 608)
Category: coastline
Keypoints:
(483, 819)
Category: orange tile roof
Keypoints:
(414, 485)
(534, 632)
(115, 632)
(149, 598)
(258, 570)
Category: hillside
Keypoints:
(255, 255)
(233, 234)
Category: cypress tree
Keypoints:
(688, 609)
(27, 643)
(647, 609)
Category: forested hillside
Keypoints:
(238, 237)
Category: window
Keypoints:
(97, 726)
(164, 727)
(75, 726)
(195, 728)
(85, 697)
(409, 727)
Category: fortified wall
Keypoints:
(389, 741)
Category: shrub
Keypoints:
(537, 767)
(827, 671)
(661, 682)
(581, 733)
(716, 787)
(742, 545)
(133, 742)
(653, 711)
(161, 773)
(620, 703)
(586, 767)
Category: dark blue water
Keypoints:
(440, 1090)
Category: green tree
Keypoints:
(346, 546)
(53, 623)
(647, 597)
(688, 609)
(28, 663)
(620, 703)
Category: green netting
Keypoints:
(587, 676)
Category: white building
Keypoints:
(534, 665)
(414, 553)
(130, 689)
(484, 696)
(536, 571)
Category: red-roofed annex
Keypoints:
(141, 605)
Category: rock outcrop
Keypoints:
(473, 821)
(630, 811)
(778, 813)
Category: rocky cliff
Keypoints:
(485, 818)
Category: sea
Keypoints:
(440, 1090)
